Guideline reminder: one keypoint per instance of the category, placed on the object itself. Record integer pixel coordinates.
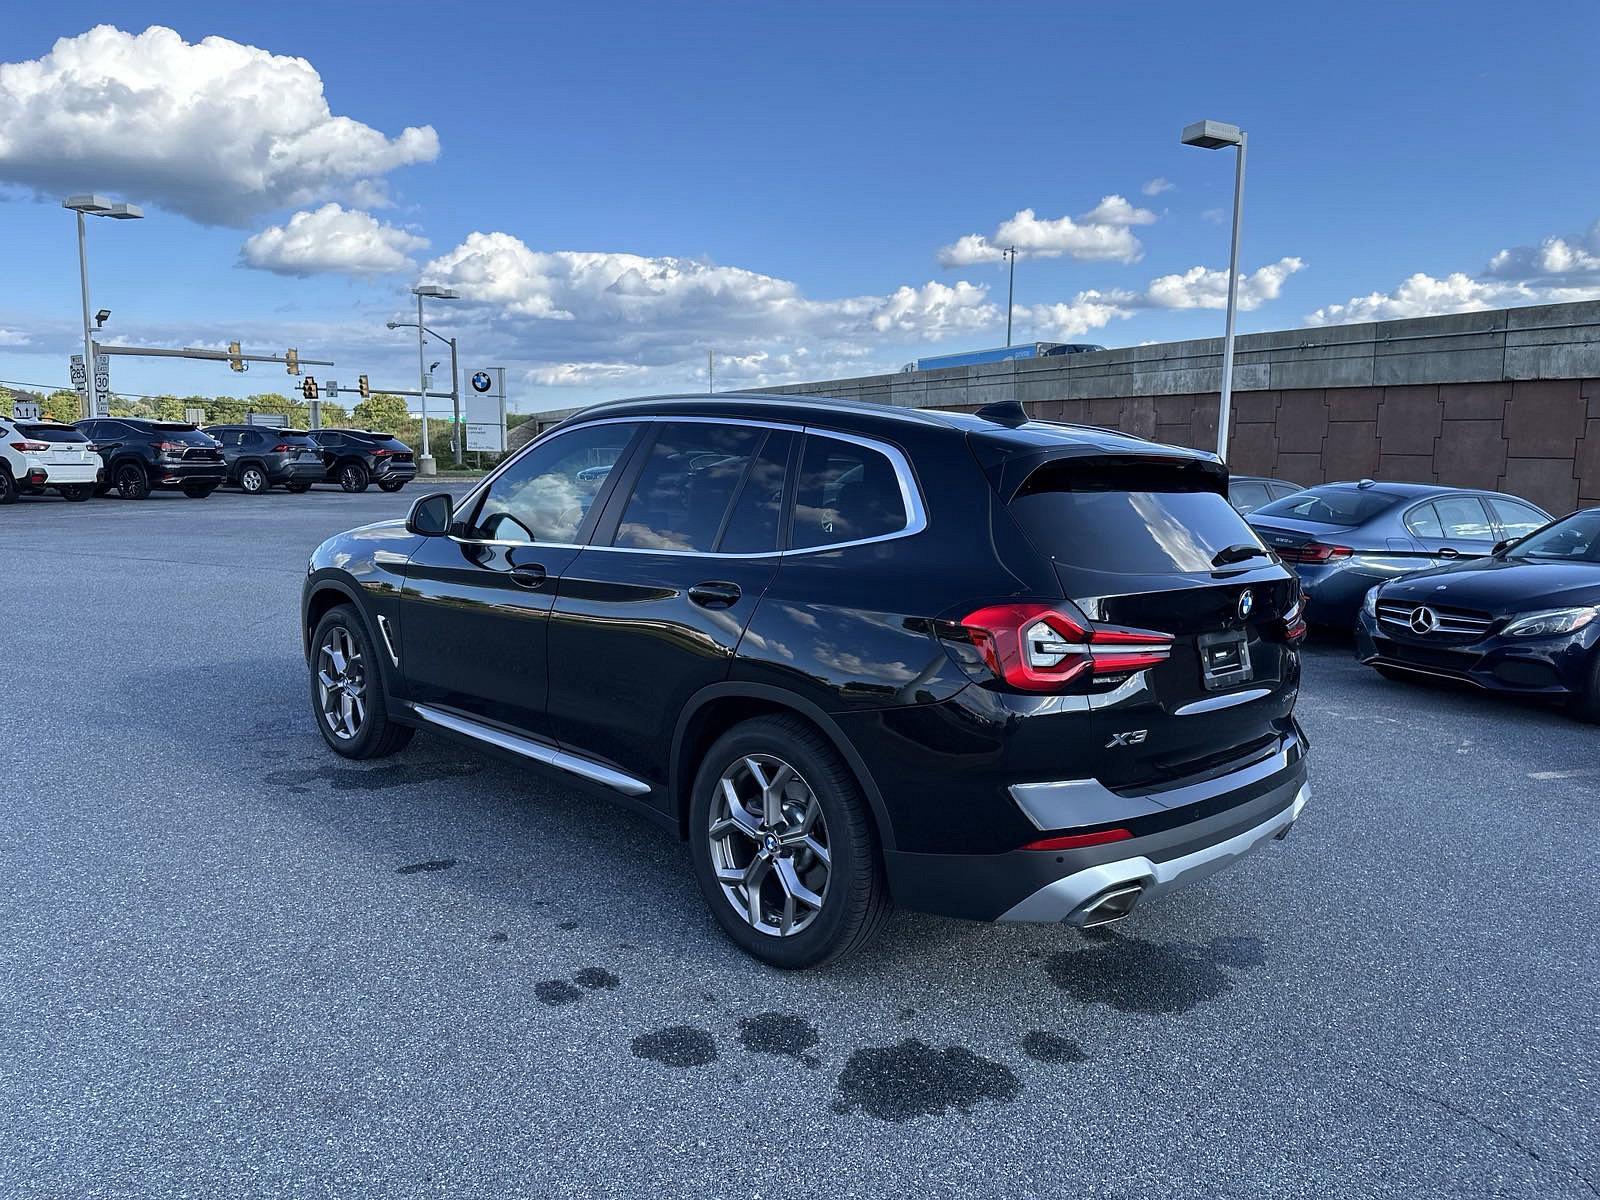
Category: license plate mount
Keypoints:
(1224, 660)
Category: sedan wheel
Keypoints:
(341, 684)
(769, 845)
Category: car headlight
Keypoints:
(1369, 603)
(1551, 621)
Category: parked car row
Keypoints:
(134, 456)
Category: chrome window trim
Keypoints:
(910, 492)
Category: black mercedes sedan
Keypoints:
(1526, 619)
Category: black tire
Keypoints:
(131, 480)
(297, 486)
(198, 491)
(377, 736)
(253, 479)
(353, 477)
(1585, 706)
(8, 486)
(392, 485)
(855, 900)
(76, 491)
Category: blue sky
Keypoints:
(617, 188)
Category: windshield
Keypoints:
(1575, 539)
(1137, 531)
(1345, 506)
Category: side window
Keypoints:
(330, 441)
(1247, 497)
(229, 437)
(1516, 519)
(546, 495)
(1280, 490)
(1463, 517)
(686, 486)
(1423, 522)
(845, 492)
(757, 518)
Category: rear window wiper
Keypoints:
(1238, 553)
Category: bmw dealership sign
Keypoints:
(484, 410)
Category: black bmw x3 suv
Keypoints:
(969, 664)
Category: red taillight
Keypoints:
(1037, 648)
(1314, 552)
(1294, 621)
(1076, 841)
(170, 447)
(382, 453)
(31, 447)
(283, 448)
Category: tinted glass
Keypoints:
(1247, 496)
(1463, 517)
(51, 433)
(331, 441)
(1516, 519)
(1345, 506)
(547, 493)
(687, 484)
(845, 492)
(756, 521)
(1575, 539)
(1282, 489)
(1096, 525)
(1423, 522)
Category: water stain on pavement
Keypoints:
(596, 978)
(1154, 978)
(566, 925)
(499, 936)
(912, 1079)
(371, 779)
(556, 992)
(432, 864)
(779, 1033)
(1046, 1047)
(676, 1046)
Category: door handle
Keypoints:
(531, 577)
(715, 593)
(1449, 552)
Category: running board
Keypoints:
(561, 760)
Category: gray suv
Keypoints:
(260, 457)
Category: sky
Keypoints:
(806, 191)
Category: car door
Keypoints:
(329, 447)
(1451, 527)
(475, 605)
(653, 610)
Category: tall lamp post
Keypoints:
(1214, 135)
(94, 206)
(1011, 288)
(425, 465)
(455, 384)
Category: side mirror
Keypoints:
(1499, 546)
(431, 516)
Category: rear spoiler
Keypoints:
(1093, 468)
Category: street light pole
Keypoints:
(1011, 289)
(425, 464)
(1213, 135)
(97, 206)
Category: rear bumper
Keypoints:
(1179, 835)
(175, 474)
(297, 472)
(39, 474)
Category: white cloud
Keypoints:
(216, 130)
(1198, 287)
(1154, 187)
(332, 238)
(1099, 234)
(13, 337)
(1558, 270)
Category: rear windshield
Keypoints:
(1164, 525)
(51, 433)
(1330, 505)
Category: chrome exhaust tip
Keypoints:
(1110, 905)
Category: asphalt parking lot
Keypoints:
(234, 964)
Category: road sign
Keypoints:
(484, 410)
(24, 410)
(331, 390)
(195, 416)
(102, 374)
(268, 420)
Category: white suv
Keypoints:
(35, 455)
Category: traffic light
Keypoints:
(291, 360)
(363, 387)
(235, 362)
(308, 389)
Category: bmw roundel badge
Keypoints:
(481, 381)
(1247, 603)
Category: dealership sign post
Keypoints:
(485, 414)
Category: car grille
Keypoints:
(200, 454)
(1458, 624)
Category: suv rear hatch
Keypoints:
(1148, 544)
(180, 440)
(67, 446)
(387, 446)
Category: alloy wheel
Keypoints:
(769, 845)
(253, 480)
(130, 482)
(341, 684)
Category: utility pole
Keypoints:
(1011, 288)
(711, 367)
